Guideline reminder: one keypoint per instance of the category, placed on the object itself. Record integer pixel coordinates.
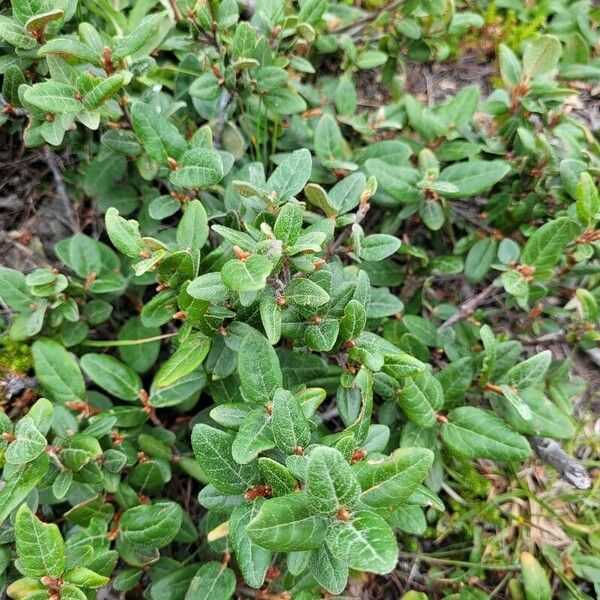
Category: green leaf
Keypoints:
(42, 414)
(258, 368)
(399, 182)
(199, 168)
(21, 481)
(277, 476)
(459, 111)
(330, 572)
(84, 577)
(290, 177)
(53, 97)
(475, 433)
(288, 224)
(305, 292)
(28, 445)
(251, 558)
(160, 138)
(105, 89)
(40, 546)
(312, 11)
(69, 48)
(40, 21)
(291, 429)
(212, 580)
(283, 101)
(514, 399)
(588, 200)
(330, 482)
(541, 56)
(474, 177)
(388, 482)
(112, 375)
(510, 67)
(353, 321)
(213, 451)
(140, 357)
(370, 59)
(206, 87)
(529, 372)
(188, 357)
(13, 289)
(270, 316)
(535, 579)
(515, 284)
(362, 388)
(420, 397)
(124, 235)
(78, 450)
(287, 524)
(378, 246)
(508, 251)
(456, 379)
(366, 541)
(270, 78)
(421, 328)
(244, 42)
(254, 436)
(546, 245)
(69, 592)
(57, 371)
(14, 33)
(328, 139)
(480, 258)
(322, 336)
(586, 566)
(544, 417)
(136, 40)
(151, 525)
(432, 214)
(208, 287)
(346, 98)
(249, 275)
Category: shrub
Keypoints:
(268, 320)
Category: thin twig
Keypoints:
(119, 343)
(468, 307)
(55, 166)
(354, 27)
(568, 467)
(468, 216)
(13, 384)
(175, 9)
(549, 339)
(460, 563)
(11, 110)
(361, 213)
(224, 104)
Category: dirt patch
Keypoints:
(32, 217)
(434, 83)
(371, 92)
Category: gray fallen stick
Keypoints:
(569, 468)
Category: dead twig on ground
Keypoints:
(55, 166)
(568, 467)
(14, 385)
(356, 27)
(361, 213)
(467, 308)
(224, 104)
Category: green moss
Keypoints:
(15, 356)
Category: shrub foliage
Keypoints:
(261, 373)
